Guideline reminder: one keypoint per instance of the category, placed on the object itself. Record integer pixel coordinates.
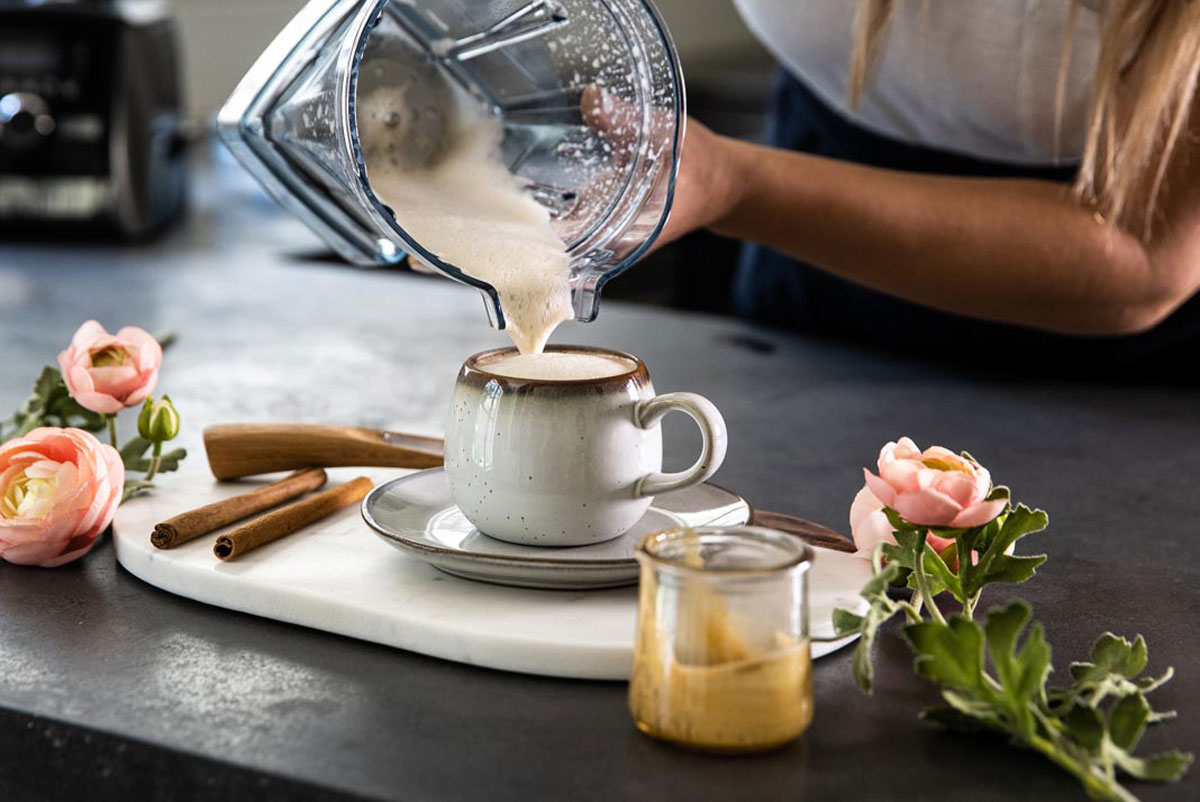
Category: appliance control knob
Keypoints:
(25, 121)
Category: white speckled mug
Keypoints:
(566, 462)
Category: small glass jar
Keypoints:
(721, 658)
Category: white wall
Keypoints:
(221, 38)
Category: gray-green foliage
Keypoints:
(993, 676)
(133, 454)
(49, 405)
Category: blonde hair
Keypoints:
(1151, 47)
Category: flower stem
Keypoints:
(155, 461)
(112, 429)
(912, 611)
(969, 607)
(1097, 787)
(923, 582)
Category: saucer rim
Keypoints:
(509, 559)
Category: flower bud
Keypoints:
(158, 421)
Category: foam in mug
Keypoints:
(559, 366)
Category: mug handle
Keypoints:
(647, 414)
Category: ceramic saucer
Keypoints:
(415, 514)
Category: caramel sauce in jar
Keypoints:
(722, 660)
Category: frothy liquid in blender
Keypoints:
(472, 213)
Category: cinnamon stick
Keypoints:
(211, 517)
(286, 520)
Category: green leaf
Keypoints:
(1013, 570)
(904, 552)
(908, 546)
(1128, 660)
(33, 410)
(893, 554)
(1127, 720)
(1162, 715)
(136, 447)
(166, 338)
(169, 461)
(909, 540)
(940, 574)
(1147, 684)
(1086, 727)
(985, 712)
(1003, 627)
(135, 488)
(878, 584)
(846, 623)
(51, 404)
(66, 411)
(980, 719)
(1166, 767)
(950, 654)
(1022, 673)
(998, 492)
(935, 585)
(965, 543)
(898, 523)
(881, 609)
(45, 385)
(987, 534)
(864, 669)
(1019, 522)
(26, 424)
(1112, 655)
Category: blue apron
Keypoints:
(775, 289)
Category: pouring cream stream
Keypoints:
(472, 213)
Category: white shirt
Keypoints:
(977, 77)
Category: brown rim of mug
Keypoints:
(639, 372)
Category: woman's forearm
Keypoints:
(1014, 250)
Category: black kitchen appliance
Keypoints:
(91, 127)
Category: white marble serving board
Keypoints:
(339, 577)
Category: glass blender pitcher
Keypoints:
(293, 121)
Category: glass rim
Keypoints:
(802, 555)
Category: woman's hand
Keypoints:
(707, 189)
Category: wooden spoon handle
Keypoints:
(248, 449)
(815, 534)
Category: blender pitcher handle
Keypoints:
(649, 413)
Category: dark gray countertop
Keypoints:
(109, 685)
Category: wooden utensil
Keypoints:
(814, 534)
(248, 449)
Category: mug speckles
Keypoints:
(565, 462)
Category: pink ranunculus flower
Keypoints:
(934, 487)
(870, 527)
(108, 372)
(59, 489)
